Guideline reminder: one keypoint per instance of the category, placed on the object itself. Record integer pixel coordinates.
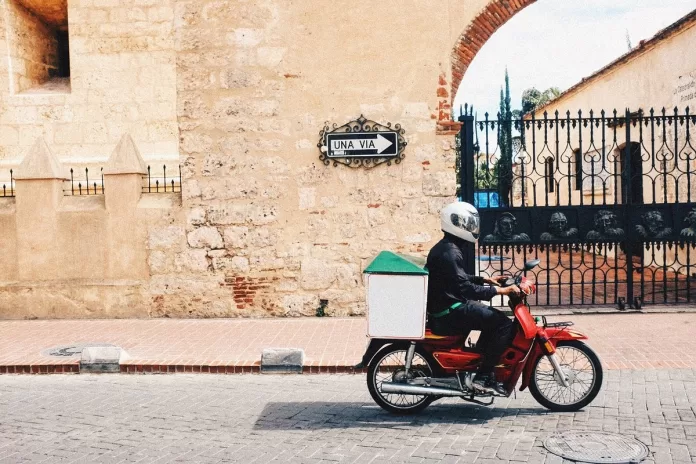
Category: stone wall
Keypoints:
(65, 256)
(240, 90)
(32, 48)
(257, 82)
(122, 79)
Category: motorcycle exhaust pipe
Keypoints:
(390, 387)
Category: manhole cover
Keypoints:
(596, 447)
(71, 351)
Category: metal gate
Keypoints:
(606, 201)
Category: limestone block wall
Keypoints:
(238, 91)
(32, 48)
(279, 230)
(122, 79)
(64, 256)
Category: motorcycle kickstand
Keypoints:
(472, 400)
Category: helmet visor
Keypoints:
(470, 222)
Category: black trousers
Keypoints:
(497, 330)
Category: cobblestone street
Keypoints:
(252, 418)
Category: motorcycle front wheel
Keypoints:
(388, 365)
(583, 370)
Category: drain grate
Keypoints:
(71, 351)
(596, 447)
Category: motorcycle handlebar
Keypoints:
(517, 278)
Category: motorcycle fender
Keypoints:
(373, 347)
(556, 335)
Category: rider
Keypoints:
(453, 294)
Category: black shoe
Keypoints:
(486, 383)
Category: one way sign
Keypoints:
(361, 144)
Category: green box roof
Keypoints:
(392, 263)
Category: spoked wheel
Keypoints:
(584, 372)
(389, 366)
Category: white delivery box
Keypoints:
(397, 294)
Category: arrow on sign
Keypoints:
(380, 144)
(361, 144)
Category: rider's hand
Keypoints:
(511, 290)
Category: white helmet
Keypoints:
(461, 220)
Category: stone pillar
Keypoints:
(123, 181)
(39, 191)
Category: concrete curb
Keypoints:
(101, 360)
(282, 361)
(240, 368)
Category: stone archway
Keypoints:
(480, 29)
(496, 13)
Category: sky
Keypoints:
(555, 43)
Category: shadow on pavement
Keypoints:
(329, 415)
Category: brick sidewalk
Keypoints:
(623, 341)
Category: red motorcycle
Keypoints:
(562, 372)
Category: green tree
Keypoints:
(533, 98)
(486, 177)
(503, 168)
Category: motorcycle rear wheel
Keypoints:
(582, 366)
(389, 365)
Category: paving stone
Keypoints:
(234, 346)
(311, 419)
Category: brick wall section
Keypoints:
(245, 289)
(445, 124)
(494, 15)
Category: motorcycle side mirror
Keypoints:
(531, 264)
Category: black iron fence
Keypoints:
(607, 201)
(157, 180)
(164, 181)
(8, 186)
(84, 183)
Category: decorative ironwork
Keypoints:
(361, 125)
(558, 228)
(606, 201)
(84, 186)
(8, 187)
(153, 182)
(504, 231)
(605, 227)
(162, 183)
(690, 231)
(653, 226)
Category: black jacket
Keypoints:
(448, 283)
